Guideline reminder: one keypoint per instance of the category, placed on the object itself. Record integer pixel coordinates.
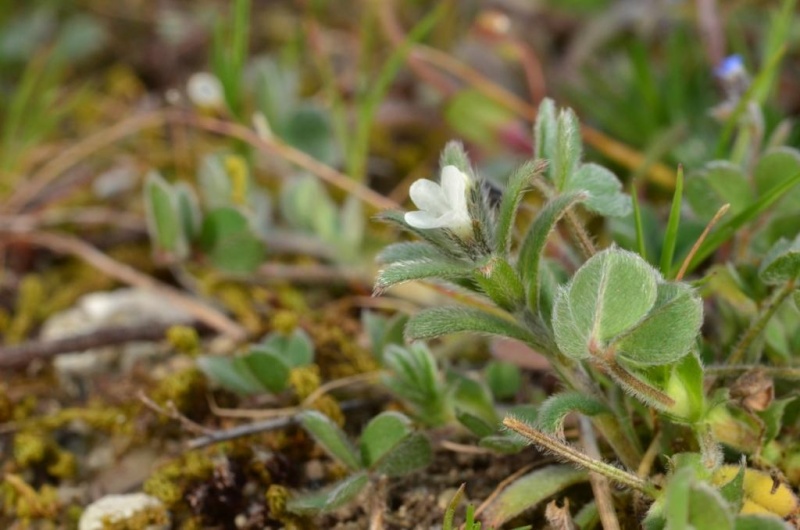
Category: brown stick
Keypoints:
(19, 356)
(126, 274)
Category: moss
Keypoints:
(304, 380)
(64, 465)
(236, 167)
(284, 321)
(291, 298)
(22, 501)
(170, 481)
(141, 520)
(30, 448)
(330, 407)
(276, 500)
(184, 339)
(236, 299)
(186, 390)
(30, 297)
(102, 418)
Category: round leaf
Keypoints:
(782, 262)
(382, 434)
(669, 330)
(608, 295)
(270, 370)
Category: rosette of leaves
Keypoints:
(308, 208)
(618, 313)
(229, 231)
(389, 446)
(264, 368)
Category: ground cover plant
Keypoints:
(415, 265)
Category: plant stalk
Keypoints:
(760, 322)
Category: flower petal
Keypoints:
(454, 187)
(427, 195)
(423, 220)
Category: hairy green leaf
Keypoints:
(405, 271)
(605, 195)
(331, 498)
(332, 439)
(381, 434)
(410, 251)
(517, 186)
(668, 331)
(782, 262)
(556, 408)
(608, 295)
(568, 149)
(410, 454)
(529, 490)
(545, 132)
(414, 378)
(501, 283)
(530, 254)
(440, 321)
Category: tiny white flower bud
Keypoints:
(205, 91)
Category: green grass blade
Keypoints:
(671, 235)
(726, 231)
(359, 148)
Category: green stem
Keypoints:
(760, 322)
(568, 452)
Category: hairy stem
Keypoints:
(575, 456)
(650, 395)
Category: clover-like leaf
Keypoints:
(608, 295)
(330, 498)
(296, 349)
(668, 331)
(230, 373)
(381, 434)
(231, 245)
(410, 454)
(267, 366)
(605, 195)
(782, 262)
(330, 437)
(717, 183)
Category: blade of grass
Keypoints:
(637, 220)
(714, 220)
(777, 37)
(359, 148)
(671, 234)
(727, 230)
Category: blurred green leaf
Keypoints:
(410, 454)
(330, 498)
(230, 374)
(271, 371)
(230, 244)
(381, 434)
(717, 183)
(504, 379)
(332, 439)
(295, 348)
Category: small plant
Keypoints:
(389, 447)
(266, 366)
(623, 336)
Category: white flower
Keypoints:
(442, 206)
(205, 91)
